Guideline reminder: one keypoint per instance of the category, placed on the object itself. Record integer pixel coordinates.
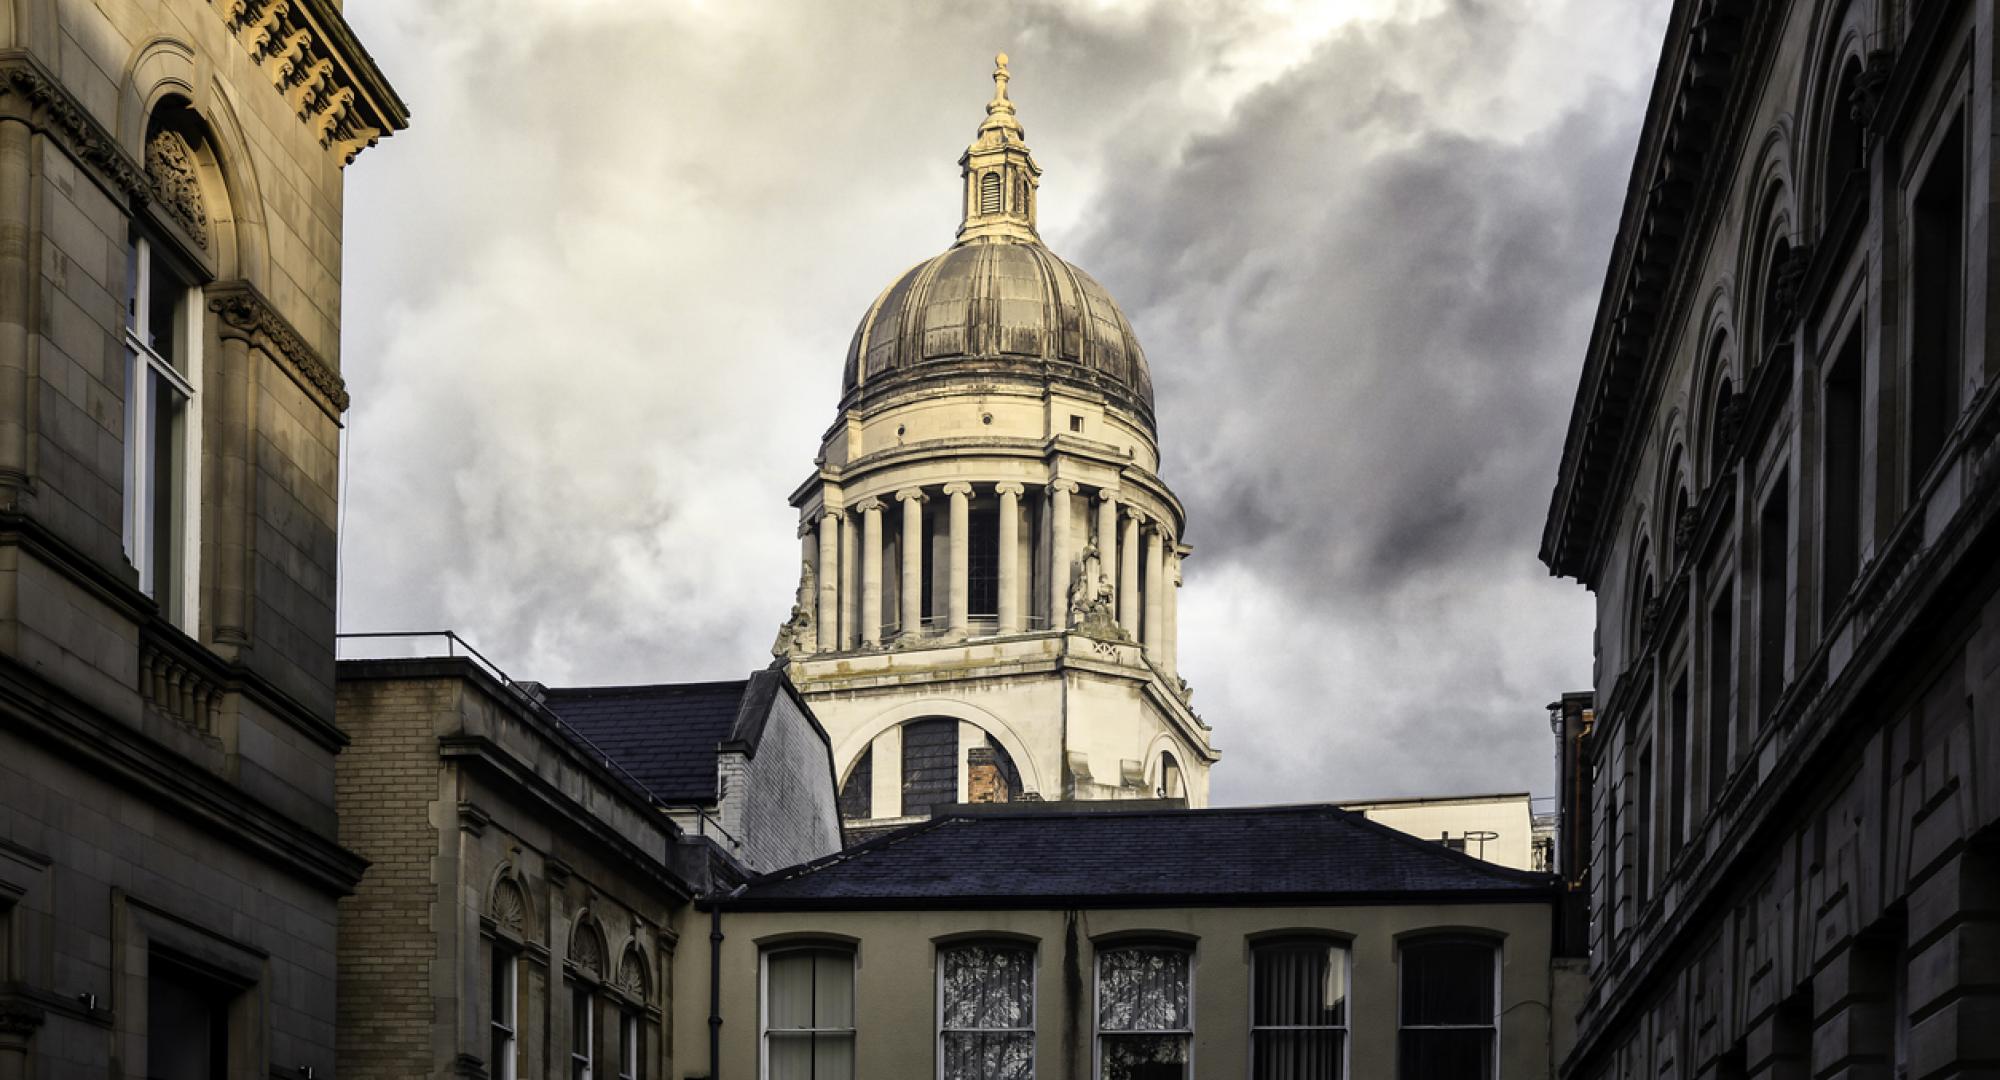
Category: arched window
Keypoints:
(1722, 424)
(1172, 784)
(1846, 144)
(857, 792)
(1640, 625)
(1682, 522)
(1775, 312)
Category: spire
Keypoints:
(999, 171)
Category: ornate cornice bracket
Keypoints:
(246, 315)
(311, 56)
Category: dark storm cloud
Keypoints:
(599, 293)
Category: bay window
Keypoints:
(1298, 1011)
(1145, 1013)
(1448, 1023)
(986, 1012)
(808, 1014)
(162, 430)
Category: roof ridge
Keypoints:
(630, 688)
(866, 847)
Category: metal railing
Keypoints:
(527, 694)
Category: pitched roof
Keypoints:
(981, 857)
(666, 735)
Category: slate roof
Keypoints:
(668, 736)
(987, 858)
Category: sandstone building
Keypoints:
(1782, 482)
(170, 401)
(991, 558)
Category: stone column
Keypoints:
(956, 610)
(1128, 573)
(1010, 558)
(1156, 588)
(827, 626)
(850, 585)
(913, 561)
(18, 1023)
(1059, 556)
(871, 573)
(1107, 536)
(1170, 620)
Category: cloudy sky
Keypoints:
(599, 293)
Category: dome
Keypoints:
(996, 305)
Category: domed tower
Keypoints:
(987, 606)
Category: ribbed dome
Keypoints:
(998, 303)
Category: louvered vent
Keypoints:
(989, 193)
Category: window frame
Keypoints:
(506, 971)
(142, 488)
(1495, 947)
(764, 955)
(1097, 1032)
(631, 1045)
(582, 1043)
(1346, 1027)
(1033, 951)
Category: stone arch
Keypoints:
(586, 944)
(863, 735)
(633, 974)
(1838, 58)
(1770, 227)
(164, 86)
(1640, 589)
(1161, 747)
(1715, 391)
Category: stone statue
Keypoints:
(1090, 595)
(796, 635)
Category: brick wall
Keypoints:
(781, 804)
(387, 783)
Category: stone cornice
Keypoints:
(315, 61)
(31, 93)
(246, 314)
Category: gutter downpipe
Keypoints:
(715, 983)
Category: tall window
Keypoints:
(1171, 784)
(1449, 1024)
(930, 764)
(1840, 558)
(187, 1023)
(986, 1012)
(1677, 765)
(1773, 577)
(809, 1014)
(1721, 688)
(1145, 1013)
(629, 1043)
(582, 1032)
(1643, 823)
(1937, 301)
(982, 562)
(504, 1006)
(161, 449)
(1298, 1011)
(1777, 309)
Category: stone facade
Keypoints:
(1782, 482)
(494, 839)
(170, 232)
(986, 541)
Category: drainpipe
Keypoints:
(715, 983)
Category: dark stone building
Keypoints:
(170, 402)
(1781, 481)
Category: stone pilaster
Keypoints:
(1059, 552)
(956, 609)
(16, 297)
(1107, 533)
(1954, 928)
(850, 585)
(913, 561)
(871, 572)
(1011, 589)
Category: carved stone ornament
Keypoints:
(586, 950)
(1090, 596)
(797, 632)
(510, 907)
(632, 972)
(246, 313)
(170, 169)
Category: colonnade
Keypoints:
(1137, 554)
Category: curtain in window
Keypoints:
(810, 1015)
(988, 1014)
(1298, 1012)
(1140, 992)
(1447, 1011)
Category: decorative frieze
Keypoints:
(31, 93)
(245, 313)
(311, 57)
